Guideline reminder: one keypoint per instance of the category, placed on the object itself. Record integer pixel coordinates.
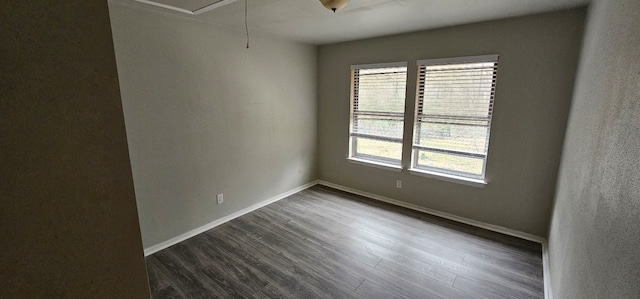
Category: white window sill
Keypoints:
(449, 178)
(391, 167)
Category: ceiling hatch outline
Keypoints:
(198, 11)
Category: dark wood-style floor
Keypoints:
(325, 243)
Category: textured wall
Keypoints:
(68, 221)
(205, 116)
(538, 61)
(594, 241)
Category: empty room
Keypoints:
(320, 149)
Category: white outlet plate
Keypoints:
(220, 198)
(398, 184)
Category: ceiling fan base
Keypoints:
(334, 5)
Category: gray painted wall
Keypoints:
(594, 242)
(538, 61)
(205, 116)
(68, 219)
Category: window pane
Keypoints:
(454, 106)
(381, 151)
(467, 138)
(463, 90)
(383, 126)
(377, 116)
(381, 89)
(450, 163)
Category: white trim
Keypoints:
(480, 224)
(375, 164)
(449, 178)
(546, 269)
(452, 60)
(187, 11)
(212, 6)
(378, 65)
(192, 233)
(165, 6)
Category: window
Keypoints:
(454, 105)
(377, 113)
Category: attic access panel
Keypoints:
(192, 7)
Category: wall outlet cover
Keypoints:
(220, 198)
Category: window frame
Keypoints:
(370, 160)
(449, 174)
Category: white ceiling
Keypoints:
(308, 21)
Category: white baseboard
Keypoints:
(192, 233)
(491, 227)
(548, 294)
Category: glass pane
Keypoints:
(384, 126)
(381, 89)
(381, 151)
(452, 163)
(467, 138)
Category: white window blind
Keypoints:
(377, 112)
(454, 105)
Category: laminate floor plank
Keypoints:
(233, 275)
(434, 246)
(480, 290)
(306, 201)
(402, 219)
(527, 285)
(343, 233)
(325, 286)
(336, 224)
(505, 268)
(303, 256)
(364, 204)
(473, 236)
(329, 255)
(326, 243)
(417, 278)
(361, 250)
(371, 220)
(524, 285)
(374, 291)
(281, 276)
(447, 246)
(167, 293)
(434, 272)
(364, 212)
(229, 251)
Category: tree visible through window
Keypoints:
(454, 105)
(377, 112)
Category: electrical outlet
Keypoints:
(220, 198)
(398, 184)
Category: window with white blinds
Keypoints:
(377, 112)
(454, 105)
